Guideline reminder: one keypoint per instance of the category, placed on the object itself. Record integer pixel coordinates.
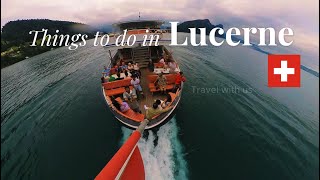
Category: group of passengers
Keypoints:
(131, 67)
(120, 68)
(164, 63)
(129, 101)
(130, 98)
(130, 95)
(161, 106)
(158, 107)
(161, 82)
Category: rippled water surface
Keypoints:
(230, 125)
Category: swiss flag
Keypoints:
(283, 70)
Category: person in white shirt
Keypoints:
(129, 95)
(137, 69)
(130, 67)
(161, 104)
(172, 65)
(136, 84)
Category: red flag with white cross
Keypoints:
(283, 70)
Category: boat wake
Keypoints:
(164, 159)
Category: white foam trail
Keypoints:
(164, 161)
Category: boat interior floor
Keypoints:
(148, 98)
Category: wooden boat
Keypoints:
(145, 56)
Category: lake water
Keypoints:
(230, 125)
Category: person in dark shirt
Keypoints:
(126, 73)
(102, 80)
(151, 66)
(119, 78)
(106, 71)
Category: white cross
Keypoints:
(284, 71)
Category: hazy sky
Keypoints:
(300, 15)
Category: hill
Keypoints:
(199, 23)
(16, 40)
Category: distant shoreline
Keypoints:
(256, 48)
(17, 50)
(16, 40)
(17, 55)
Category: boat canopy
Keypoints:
(139, 24)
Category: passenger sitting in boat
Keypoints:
(120, 105)
(112, 78)
(105, 79)
(161, 104)
(126, 73)
(162, 61)
(164, 103)
(129, 95)
(172, 65)
(124, 66)
(136, 66)
(118, 67)
(130, 67)
(119, 76)
(161, 83)
(102, 80)
(121, 61)
(168, 100)
(134, 105)
(180, 78)
(167, 57)
(151, 66)
(136, 84)
(135, 73)
(151, 112)
(124, 106)
(106, 71)
(137, 69)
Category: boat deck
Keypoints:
(149, 98)
(142, 56)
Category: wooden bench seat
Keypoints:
(116, 87)
(158, 65)
(171, 78)
(130, 114)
